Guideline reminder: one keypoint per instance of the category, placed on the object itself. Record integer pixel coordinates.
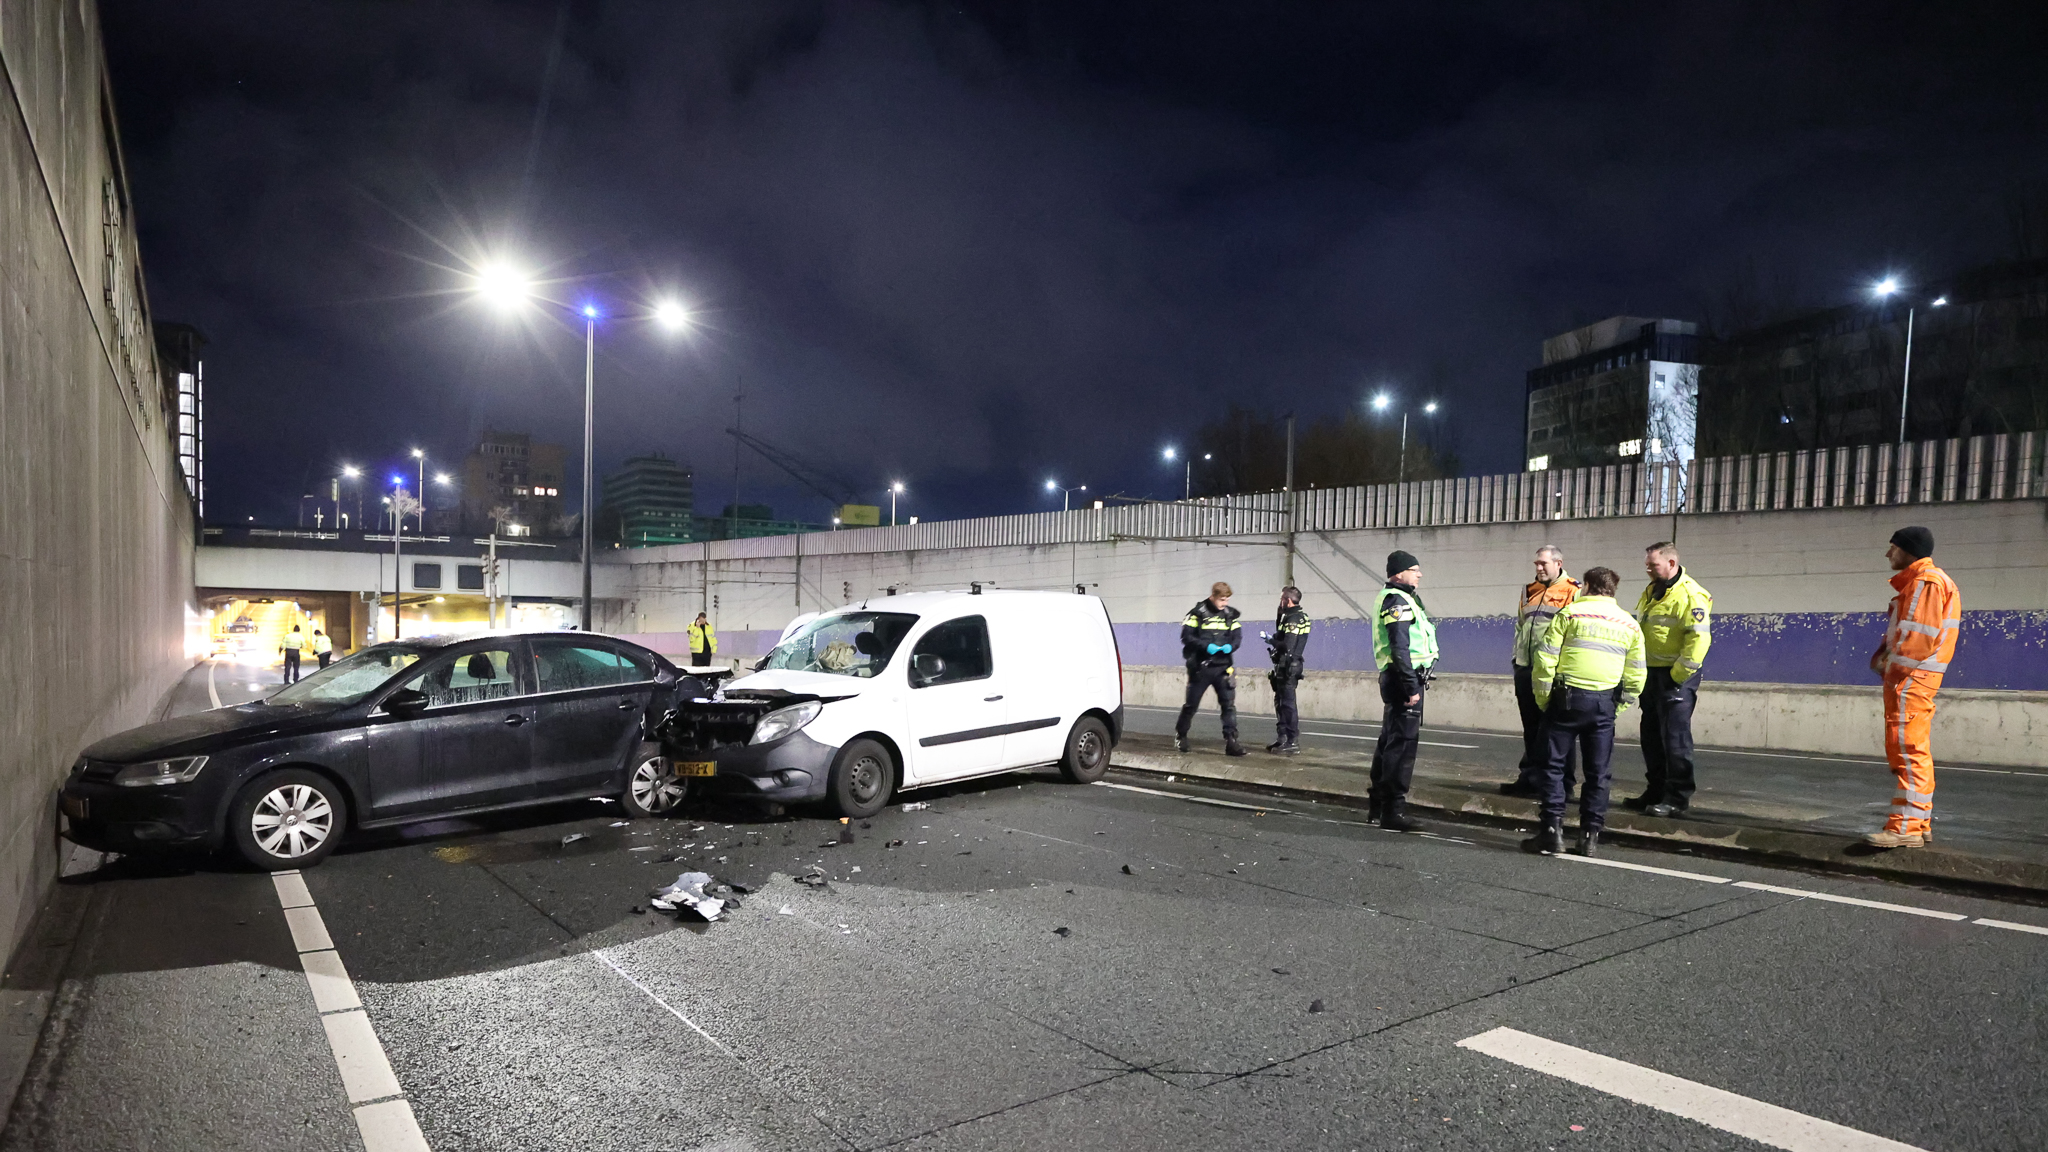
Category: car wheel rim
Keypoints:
(655, 788)
(1088, 750)
(291, 821)
(864, 780)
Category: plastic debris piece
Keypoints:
(740, 888)
(1128, 872)
(620, 823)
(815, 878)
(917, 806)
(856, 867)
(1063, 933)
(1578, 1127)
(573, 837)
(845, 820)
(1282, 972)
(686, 897)
(893, 844)
(786, 911)
(647, 848)
(1316, 1006)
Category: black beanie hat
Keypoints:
(1917, 541)
(1399, 562)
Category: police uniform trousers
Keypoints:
(1582, 720)
(1201, 678)
(1286, 719)
(1529, 774)
(1667, 736)
(291, 665)
(1393, 756)
(699, 658)
(324, 657)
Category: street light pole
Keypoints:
(894, 489)
(589, 443)
(1906, 384)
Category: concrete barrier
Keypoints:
(1970, 726)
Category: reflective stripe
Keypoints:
(1923, 629)
(1699, 628)
(1596, 645)
(1923, 665)
(1692, 665)
(1550, 648)
(1664, 618)
(1923, 799)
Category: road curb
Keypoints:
(1302, 775)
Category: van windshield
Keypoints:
(844, 644)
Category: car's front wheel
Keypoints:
(862, 778)
(652, 787)
(1087, 756)
(290, 818)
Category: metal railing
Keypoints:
(2000, 467)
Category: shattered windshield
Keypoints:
(844, 644)
(348, 680)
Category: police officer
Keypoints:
(1404, 648)
(1289, 642)
(1539, 604)
(1208, 636)
(323, 647)
(703, 641)
(1677, 618)
(294, 641)
(1587, 668)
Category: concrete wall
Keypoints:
(1799, 594)
(95, 529)
(230, 569)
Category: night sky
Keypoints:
(973, 246)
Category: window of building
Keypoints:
(1630, 448)
(1539, 463)
(426, 575)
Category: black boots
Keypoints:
(1283, 747)
(1394, 817)
(1522, 790)
(1548, 840)
(1589, 842)
(1180, 743)
(1232, 748)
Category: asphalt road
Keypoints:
(1990, 809)
(1027, 963)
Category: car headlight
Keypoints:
(783, 721)
(178, 771)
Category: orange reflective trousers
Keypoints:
(1908, 727)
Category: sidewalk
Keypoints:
(1749, 826)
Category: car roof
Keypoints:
(435, 642)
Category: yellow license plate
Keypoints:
(75, 807)
(696, 768)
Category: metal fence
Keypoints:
(2000, 467)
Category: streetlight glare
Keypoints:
(1380, 402)
(896, 487)
(1170, 454)
(418, 454)
(671, 315)
(1886, 286)
(351, 471)
(1938, 302)
(442, 478)
(503, 286)
(1430, 407)
(1052, 486)
(589, 311)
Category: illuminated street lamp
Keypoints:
(1885, 289)
(1187, 480)
(348, 472)
(1066, 494)
(895, 490)
(1380, 403)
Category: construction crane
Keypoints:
(835, 489)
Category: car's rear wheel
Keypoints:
(1087, 756)
(652, 787)
(290, 818)
(862, 778)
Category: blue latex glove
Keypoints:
(1218, 649)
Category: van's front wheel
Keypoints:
(862, 778)
(1087, 756)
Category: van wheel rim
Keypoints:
(1088, 749)
(291, 821)
(864, 779)
(655, 788)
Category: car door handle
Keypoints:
(516, 719)
(991, 699)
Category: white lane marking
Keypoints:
(309, 931)
(1348, 736)
(388, 1125)
(291, 890)
(1193, 799)
(333, 991)
(1831, 898)
(1764, 1123)
(2034, 928)
(629, 978)
(1603, 862)
(212, 693)
(1986, 771)
(365, 1071)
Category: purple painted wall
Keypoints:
(1997, 650)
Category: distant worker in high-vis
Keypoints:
(1919, 643)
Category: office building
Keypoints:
(649, 502)
(1623, 390)
(512, 472)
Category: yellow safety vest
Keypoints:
(703, 638)
(1593, 645)
(1677, 627)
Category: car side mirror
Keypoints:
(406, 702)
(926, 667)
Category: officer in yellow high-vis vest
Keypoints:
(1404, 648)
(1677, 616)
(1585, 671)
(703, 641)
(294, 643)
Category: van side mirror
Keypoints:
(406, 702)
(926, 667)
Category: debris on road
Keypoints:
(1128, 872)
(786, 911)
(639, 911)
(1282, 972)
(917, 806)
(856, 868)
(815, 878)
(620, 823)
(1316, 1006)
(573, 837)
(694, 894)
(648, 848)
(893, 844)
(604, 800)
(1063, 933)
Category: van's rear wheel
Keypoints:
(1087, 756)
(862, 778)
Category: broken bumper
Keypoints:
(794, 769)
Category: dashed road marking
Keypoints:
(212, 693)
(1703, 1104)
(1989, 923)
(1192, 799)
(383, 1115)
(1606, 863)
(1348, 736)
(1806, 894)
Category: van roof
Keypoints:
(922, 602)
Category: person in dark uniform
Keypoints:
(1208, 637)
(1289, 643)
(1404, 648)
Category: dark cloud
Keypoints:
(973, 245)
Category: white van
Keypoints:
(906, 691)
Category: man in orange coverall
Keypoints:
(1919, 642)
